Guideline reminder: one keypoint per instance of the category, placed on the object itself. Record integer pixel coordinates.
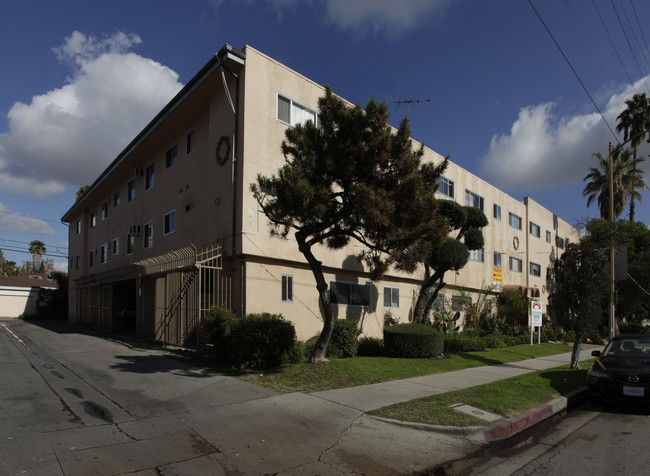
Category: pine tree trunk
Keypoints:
(577, 347)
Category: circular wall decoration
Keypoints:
(223, 150)
(515, 243)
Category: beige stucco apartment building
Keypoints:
(170, 228)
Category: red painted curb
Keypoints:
(510, 426)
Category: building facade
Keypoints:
(170, 228)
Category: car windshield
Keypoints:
(632, 347)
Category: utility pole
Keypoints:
(409, 102)
(612, 250)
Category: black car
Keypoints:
(622, 371)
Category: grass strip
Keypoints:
(341, 373)
(509, 397)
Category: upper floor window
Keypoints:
(496, 259)
(148, 235)
(149, 177)
(105, 210)
(446, 187)
(190, 142)
(170, 222)
(116, 198)
(535, 269)
(349, 294)
(391, 297)
(516, 265)
(514, 220)
(473, 200)
(535, 230)
(477, 255)
(103, 253)
(293, 113)
(116, 246)
(131, 191)
(130, 244)
(548, 236)
(171, 156)
(559, 242)
(77, 227)
(496, 212)
(93, 219)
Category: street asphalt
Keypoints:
(129, 409)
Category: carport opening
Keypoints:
(124, 307)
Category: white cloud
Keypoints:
(15, 222)
(543, 150)
(67, 136)
(376, 15)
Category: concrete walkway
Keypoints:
(176, 420)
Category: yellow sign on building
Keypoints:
(497, 275)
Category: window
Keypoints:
(535, 269)
(292, 113)
(190, 143)
(477, 255)
(116, 246)
(93, 219)
(148, 235)
(446, 187)
(131, 191)
(171, 156)
(515, 265)
(559, 242)
(103, 253)
(148, 177)
(130, 244)
(116, 199)
(439, 303)
(91, 258)
(349, 294)
(189, 207)
(473, 200)
(76, 262)
(287, 288)
(496, 212)
(514, 220)
(105, 210)
(496, 259)
(170, 222)
(460, 303)
(391, 297)
(535, 230)
(77, 227)
(548, 236)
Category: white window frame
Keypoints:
(292, 106)
(549, 236)
(103, 254)
(169, 223)
(514, 220)
(496, 212)
(477, 255)
(515, 264)
(287, 288)
(93, 219)
(474, 200)
(535, 269)
(534, 229)
(391, 297)
(116, 246)
(116, 199)
(104, 212)
(446, 187)
(496, 259)
(149, 177)
(130, 191)
(171, 156)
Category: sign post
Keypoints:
(536, 311)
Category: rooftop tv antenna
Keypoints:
(409, 102)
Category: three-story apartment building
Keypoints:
(171, 228)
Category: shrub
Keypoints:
(494, 341)
(464, 343)
(216, 327)
(259, 341)
(371, 347)
(345, 339)
(413, 340)
(630, 328)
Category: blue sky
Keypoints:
(81, 79)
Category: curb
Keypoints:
(502, 429)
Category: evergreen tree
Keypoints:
(352, 177)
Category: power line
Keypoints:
(628, 43)
(13, 250)
(33, 218)
(573, 69)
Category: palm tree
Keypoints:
(628, 180)
(37, 249)
(634, 122)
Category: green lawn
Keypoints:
(508, 398)
(339, 373)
